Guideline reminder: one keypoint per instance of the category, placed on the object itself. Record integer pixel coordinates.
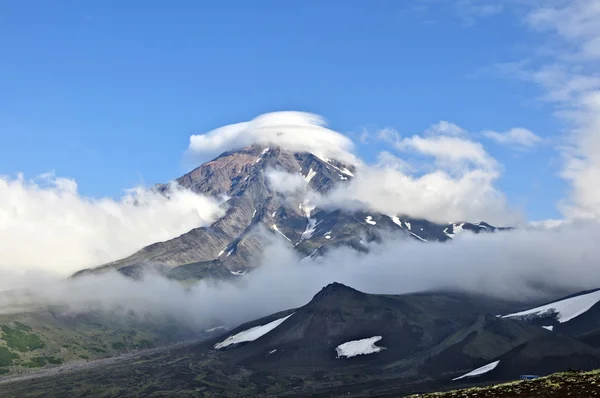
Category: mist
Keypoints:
(528, 264)
(47, 226)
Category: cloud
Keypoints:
(436, 196)
(448, 151)
(294, 131)
(457, 186)
(517, 137)
(569, 75)
(472, 10)
(444, 127)
(284, 182)
(516, 265)
(45, 224)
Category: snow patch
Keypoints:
(310, 175)
(479, 371)
(369, 220)
(251, 334)
(396, 221)
(239, 273)
(272, 351)
(327, 237)
(359, 347)
(550, 328)
(455, 230)
(565, 310)
(221, 253)
(281, 233)
(215, 329)
(342, 177)
(407, 225)
(229, 252)
(347, 172)
(262, 154)
(418, 237)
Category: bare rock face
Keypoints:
(234, 241)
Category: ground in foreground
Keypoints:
(567, 384)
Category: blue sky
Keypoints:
(108, 93)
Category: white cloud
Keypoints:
(514, 265)
(449, 151)
(45, 224)
(472, 10)
(437, 196)
(517, 136)
(284, 182)
(444, 127)
(294, 131)
(569, 75)
(457, 186)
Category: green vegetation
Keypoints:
(96, 349)
(19, 340)
(118, 346)
(144, 344)
(22, 327)
(7, 357)
(38, 362)
(4, 371)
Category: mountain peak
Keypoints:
(336, 289)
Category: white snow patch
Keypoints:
(253, 214)
(565, 310)
(251, 334)
(455, 230)
(273, 215)
(550, 328)
(369, 220)
(418, 237)
(359, 347)
(310, 175)
(272, 351)
(215, 329)
(479, 371)
(327, 237)
(221, 253)
(281, 233)
(407, 225)
(342, 177)
(344, 170)
(240, 272)
(262, 154)
(229, 252)
(347, 172)
(396, 221)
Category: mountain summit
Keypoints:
(241, 178)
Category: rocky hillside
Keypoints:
(566, 384)
(231, 245)
(343, 342)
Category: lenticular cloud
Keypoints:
(294, 131)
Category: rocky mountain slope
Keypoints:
(231, 245)
(343, 342)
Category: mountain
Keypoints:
(575, 315)
(342, 342)
(232, 244)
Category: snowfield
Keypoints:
(565, 310)
(359, 347)
(251, 334)
(479, 371)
